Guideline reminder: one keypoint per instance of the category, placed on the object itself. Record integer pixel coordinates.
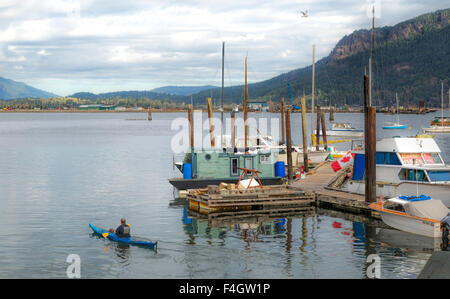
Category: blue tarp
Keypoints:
(415, 198)
(358, 167)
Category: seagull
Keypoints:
(304, 13)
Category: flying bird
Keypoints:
(304, 13)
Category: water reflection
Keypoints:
(317, 243)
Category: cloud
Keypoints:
(66, 46)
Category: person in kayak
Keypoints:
(123, 230)
(445, 225)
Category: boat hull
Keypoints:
(436, 191)
(399, 127)
(437, 129)
(401, 221)
(184, 184)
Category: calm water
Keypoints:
(59, 172)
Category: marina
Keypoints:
(180, 244)
(131, 159)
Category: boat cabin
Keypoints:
(406, 159)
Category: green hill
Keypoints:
(409, 58)
(10, 89)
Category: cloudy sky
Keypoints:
(67, 46)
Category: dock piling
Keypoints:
(305, 139)
(318, 128)
(289, 143)
(369, 144)
(324, 130)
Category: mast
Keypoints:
(371, 56)
(221, 95)
(312, 101)
(245, 104)
(442, 102)
(398, 118)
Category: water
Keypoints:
(60, 172)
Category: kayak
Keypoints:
(130, 240)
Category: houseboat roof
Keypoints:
(408, 145)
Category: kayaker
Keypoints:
(123, 230)
(445, 225)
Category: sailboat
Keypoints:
(441, 126)
(396, 125)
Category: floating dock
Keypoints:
(224, 199)
(320, 181)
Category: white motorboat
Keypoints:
(344, 129)
(418, 215)
(404, 165)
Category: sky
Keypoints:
(68, 46)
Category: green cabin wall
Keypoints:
(219, 164)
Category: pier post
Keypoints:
(331, 113)
(233, 130)
(305, 139)
(211, 126)
(317, 128)
(369, 145)
(283, 139)
(288, 143)
(324, 131)
(149, 117)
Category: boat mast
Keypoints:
(398, 118)
(245, 105)
(442, 102)
(371, 56)
(312, 101)
(221, 96)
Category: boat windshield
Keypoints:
(421, 158)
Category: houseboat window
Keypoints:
(387, 158)
(412, 159)
(264, 159)
(234, 166)
(412, 175)
(439, 176)
(432, 158)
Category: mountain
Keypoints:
(410, 58)
(132, 94)
(182, 90)
(10, 89)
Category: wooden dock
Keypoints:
(318, 181)
(216, 199)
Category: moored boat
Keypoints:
(404, 165)
(419, 215)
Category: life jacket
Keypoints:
(126, 231)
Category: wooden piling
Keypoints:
(369, 144)
(289, 143)
(282, 122)
(324, 130)
(331, 113)
(317, 128)
(149, 114)
(211, 126)
(233, 129)
(305, 138)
